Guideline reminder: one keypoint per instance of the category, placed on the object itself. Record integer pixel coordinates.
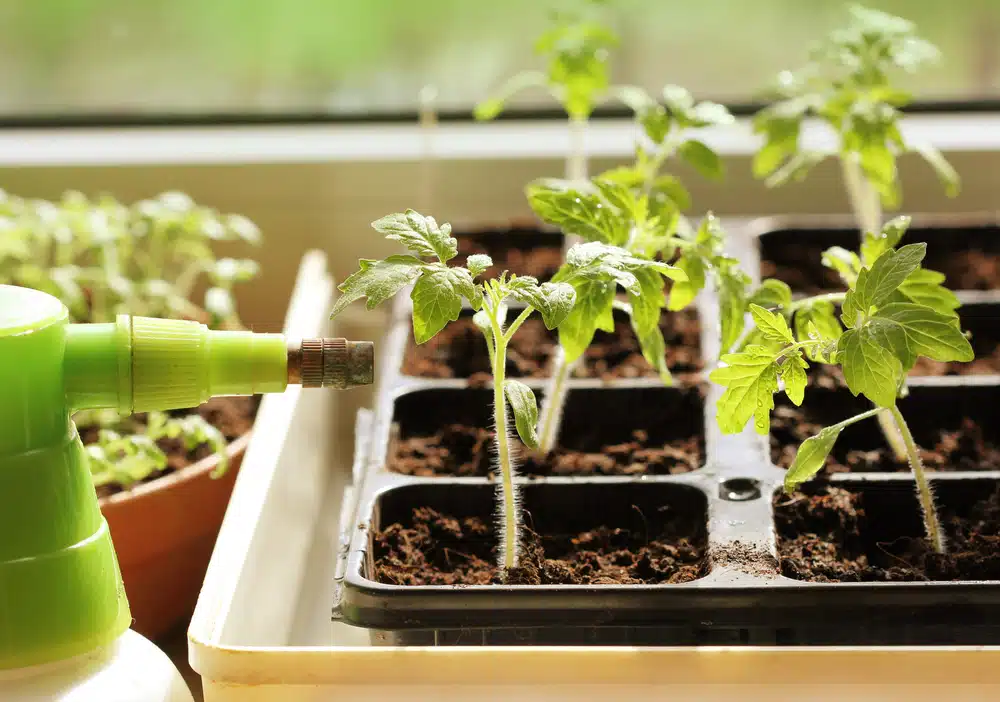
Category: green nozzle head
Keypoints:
(61, 592)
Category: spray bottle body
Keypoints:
(66, 616)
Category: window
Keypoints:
(71, 58)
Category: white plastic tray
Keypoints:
(262, 629)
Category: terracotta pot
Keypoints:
(164, 532)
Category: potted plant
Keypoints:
(859, 524)
(163, 479)
(849, 86)
(653, 517)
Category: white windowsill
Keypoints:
(394, 142)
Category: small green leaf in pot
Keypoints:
(772, 325)
(477, 263)
(553, 300)
(522, 403)
(437, 300)
(702, 159)
(810, 458)
(750, 379)
(420, 234)
(378, 281)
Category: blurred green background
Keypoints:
(263, 57)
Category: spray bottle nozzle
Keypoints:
(331, 363)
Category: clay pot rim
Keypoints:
(194, 471)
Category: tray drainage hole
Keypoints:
(739, 489)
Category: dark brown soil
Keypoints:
(233, 416)
(827, 535)
(970, 270)
(462, 451)
(518, 252)
(460, 351)
(964, 449)
(438, 549)
(808, 275)
(981, 365)
(801, 267)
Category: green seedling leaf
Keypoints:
(793, 374)
(477, 263)
(683, 292)
(635, 98)
(702, 159)
(488, 109)
(377, 281)
(810, 458)
(945, 171)
(491, 107)
(622, 199)
(877, 284)
(583, 214)
(522, 402)
(848, 85)
(598, 259)
(845, 263)
(732, 286)
(928, 332)
(870, 358)
(795, 169)
(420, 234)
(926, 287)
(875, 244)
(781, 141)
(707, 114)
(592, 311)
(773, 326)
(817, 321)
(628, 176)
(654, 349)
(668, 189)
(646, 303)
(553, 300)
(577, 64)
(678, 100)
(878, 163)
(772, 293)
(595, 270)
(650, 115)
(750, 379)
(437, 300)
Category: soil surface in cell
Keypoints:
(540, 261)
(233, 416)
(459, 450)
(825, 535)
(963, 449)
(800, 266)
(432, 548)
(459, 351)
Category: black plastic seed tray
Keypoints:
(741, 593)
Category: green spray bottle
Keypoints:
(61, 593)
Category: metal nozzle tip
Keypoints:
(331, 363)
(360, 363)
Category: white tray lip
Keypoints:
(540, 665)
